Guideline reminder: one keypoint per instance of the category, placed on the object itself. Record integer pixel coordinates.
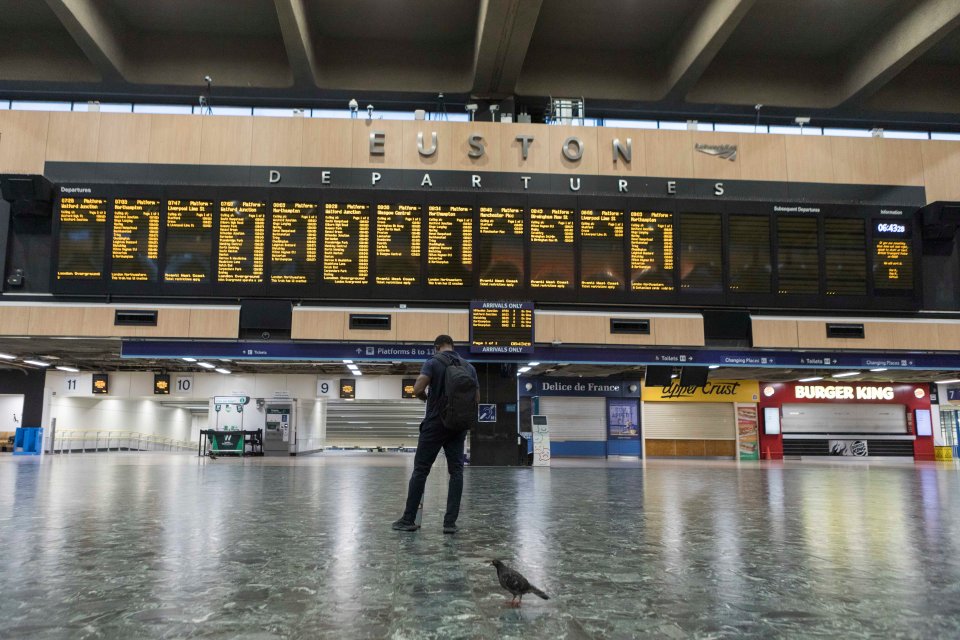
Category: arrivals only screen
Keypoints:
(453, 247)
(501, 327)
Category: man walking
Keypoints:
(439, 431)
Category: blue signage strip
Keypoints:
(328, 351)
(580, 387)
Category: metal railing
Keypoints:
(83, 441)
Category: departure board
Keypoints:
(845, 256)
(189, 241)
(83, 223)
(397, 244)
(243, 228)
(501, 327)
(892, 255)
(294, 236)
(135, 250)
(749, 254)
(501, 247)
(798, 256)
(346, 245)
(701, 254)
(449, 246)
(601, 249)
(552, 248)
(651, 251)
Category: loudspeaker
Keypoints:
(657, 375)
(265, 319)
(694, 376)
(26, 188)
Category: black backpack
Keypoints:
(458, 395)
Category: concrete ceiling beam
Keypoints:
(95, 33)
(696, 45)
(504, 31)
(882, 56)
(298, 40)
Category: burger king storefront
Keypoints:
(845, 420)
(716, 420)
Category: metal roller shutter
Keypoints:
(688, 421)
(572, 419)
(844, 418)
(373, 423)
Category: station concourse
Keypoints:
(702, 255)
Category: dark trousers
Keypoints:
(434, 437)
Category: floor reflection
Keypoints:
(160, 546)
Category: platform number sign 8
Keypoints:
(183, 385)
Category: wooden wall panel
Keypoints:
(877, 335)
(720, 448)
(23, 141)
(226, 140)
(661, 448)
(317, 324)
(98, 322)
(421, 326)
(511, 154)
(544, 327)
(369, 334)
(941, 168)
(442, 158)
(392, 157)
(492, 156)
(124, 137)
(587, 164)
(631, 338)
(948, 335)
(774, 333)
(55, 320)
(711, 167)
(327, 143)
(809, 159)
(175, 139)
(690, 448)
(14, 320)
(277, 142)
(668, 154)
(458, 327)
(581, 329)
(605, 162)
(679, 331)
(215, 323)
(899, 161)
(73, 136)
(762, 157)
(855, 160)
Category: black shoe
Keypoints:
(450, 528)
(403, 525)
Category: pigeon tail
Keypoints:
(537, 592)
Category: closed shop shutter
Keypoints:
(572, 419)
(688, 421)
(373, 423)
(844, 418)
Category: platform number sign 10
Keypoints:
(183, 385)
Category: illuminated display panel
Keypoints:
(242, 234)
(346, 245)
(749, 254)
(651, 251)
(701, 255)
(449, 246)
(294, 236)
(397, 244)
(798, 258)
(135, 246)
(83, 230)
(501, 247)
(892, 255)
(601, 249)
(189, 241)
(845, 253)
(552, 248)
(501, 327)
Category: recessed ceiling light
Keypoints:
(222, 370)
(534, 364)
(714, 366)
(878, 370)
(206, 365)
(813, 379)
(523, 369)
(7, 356)
(348, 362)
(224, 359)
(67, 369)
(948, 381)
(189, 359)
(37, 363)
(846, 374)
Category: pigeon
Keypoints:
(211, 456)
(515, 583)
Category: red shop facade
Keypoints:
(834, 418)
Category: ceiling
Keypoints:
(103, 355)
(883, 61)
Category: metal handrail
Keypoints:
(65, 439)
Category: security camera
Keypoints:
(757, 107)
(207, 79)
(353, 104)
(369, 112)
(265, 335)
(472, 107)
(802, 121)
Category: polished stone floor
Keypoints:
(172, 546)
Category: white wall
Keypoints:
(122, 414)
(311, 425)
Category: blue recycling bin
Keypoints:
(28, 441)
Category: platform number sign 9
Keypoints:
(328, 388)
(183, 385)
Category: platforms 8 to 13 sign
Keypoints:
(501, 327)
